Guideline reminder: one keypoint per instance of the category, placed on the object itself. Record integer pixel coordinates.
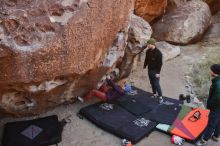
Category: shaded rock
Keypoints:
(52, 51)
(169, 51)
(213, 4)
(213, 34)
(150, 9)
(139, 33)
(177, 3)
(116, 51)
(184, 24)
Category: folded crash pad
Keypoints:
(190, 123)
(113, 118)
(39, 132)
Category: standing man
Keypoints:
(213, 104)
(154, 62)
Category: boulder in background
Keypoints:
(184, 24)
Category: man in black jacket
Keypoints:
(213, 104)
(154, 62)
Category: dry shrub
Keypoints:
(201, 74)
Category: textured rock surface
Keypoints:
(169, 51)
(177, 3)
(139, 33)
(53, 50)
(213, 34)
(183, 24)
(150, 9)
(213, 4)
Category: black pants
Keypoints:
(155, 82)
(213, 127)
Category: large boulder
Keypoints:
(213, 4)
(184, 24)
(213, 34)
(169, 51)
(53, 50)
(139, 33)
(150, 9)
(177, 3)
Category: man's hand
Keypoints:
(157, 75)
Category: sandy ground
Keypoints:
(83, 133)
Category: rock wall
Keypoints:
(54, 50)
(150, 9)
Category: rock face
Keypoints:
(183, 24)
(169, 51)
(139, 33)
(214, 6)
(213, 34)
(53, 50)
(177, 3)
(150, 9)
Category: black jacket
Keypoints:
(213, 102)
(153, 60)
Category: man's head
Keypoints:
(215, 70)
(151, 43)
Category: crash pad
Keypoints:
(38, 132)
(190, 123)
(118, 121)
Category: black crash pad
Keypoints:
(107, 115)
(134, 106)
(122, 116)
(137, 129)
(113, 118)
(40, 132)
(164, 114)
(143, 104)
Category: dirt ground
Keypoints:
(84, 133)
